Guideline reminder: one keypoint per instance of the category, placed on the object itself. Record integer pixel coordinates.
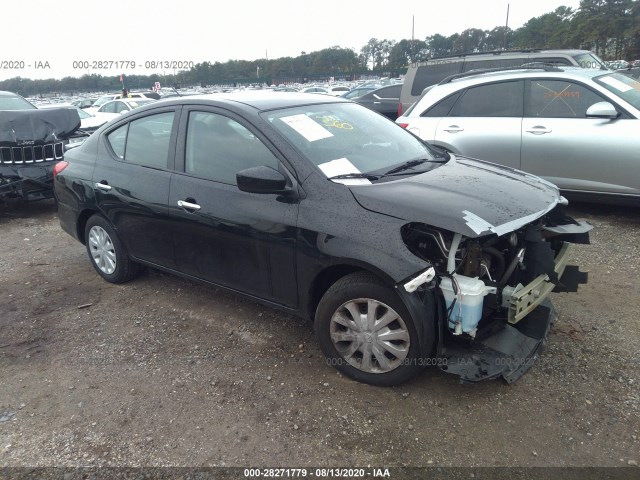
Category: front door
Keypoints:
(240, 240)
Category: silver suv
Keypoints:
(424, 74)
(576, 127)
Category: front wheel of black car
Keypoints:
(366, 332)
(107, 253)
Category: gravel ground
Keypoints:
(165, 372)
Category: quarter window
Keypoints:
(494, 100)
(442, 108)
(559, 99)
(218, 147)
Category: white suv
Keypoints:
(576, 127)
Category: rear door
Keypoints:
(562, 145)
(485, 123)
(383, 100)
(241, 240)
(131, 183)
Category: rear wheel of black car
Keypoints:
(366, 332)
(107, 253)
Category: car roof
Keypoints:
(576, 73)
(504, 53)
(261, 100)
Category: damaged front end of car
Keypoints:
(31, 143)
(492, 287)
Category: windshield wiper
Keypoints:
(368, 176)
(413, 163)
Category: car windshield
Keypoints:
(346, 138)
(622, 86)
(11, 102)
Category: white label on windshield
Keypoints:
(307, 127)
(342, 166)
(617, 84)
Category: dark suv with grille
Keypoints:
(31, 142)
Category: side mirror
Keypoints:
(261, 179)
(602, 110)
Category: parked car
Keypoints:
(115, 108)
(31, 142)
(116, 96)
(424, 74)
(382, 100)
(360, 91)
(321, 90)
(285, 89)
(337, 90)
(88, 124)
(319, 207)
(84, 102)
(578, 128)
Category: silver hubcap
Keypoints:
(102, 250)
(369, 335)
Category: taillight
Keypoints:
(58, 167)
(404, 125)
(399, 109)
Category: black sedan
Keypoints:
(383, 100)
(401, 256)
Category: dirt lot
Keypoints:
(165, 372)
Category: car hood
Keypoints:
(34, 127)
(466, 196)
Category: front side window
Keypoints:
(144, 141)
(559, 99)
(218, 147)
(494, 100)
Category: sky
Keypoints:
(45, 39)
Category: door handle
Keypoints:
(377, 103)
(188, 205)
(453, 129)
(539, 130)
(103, 185)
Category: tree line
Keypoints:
(609, 28)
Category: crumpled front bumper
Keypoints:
(509, 353)
(26, 182)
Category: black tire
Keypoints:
(107, 253)
(383, 368)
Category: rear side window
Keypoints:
(392, 91)
(432, 73)
(442, 108)
(144, 141)
(559, 99)
(494, 100)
